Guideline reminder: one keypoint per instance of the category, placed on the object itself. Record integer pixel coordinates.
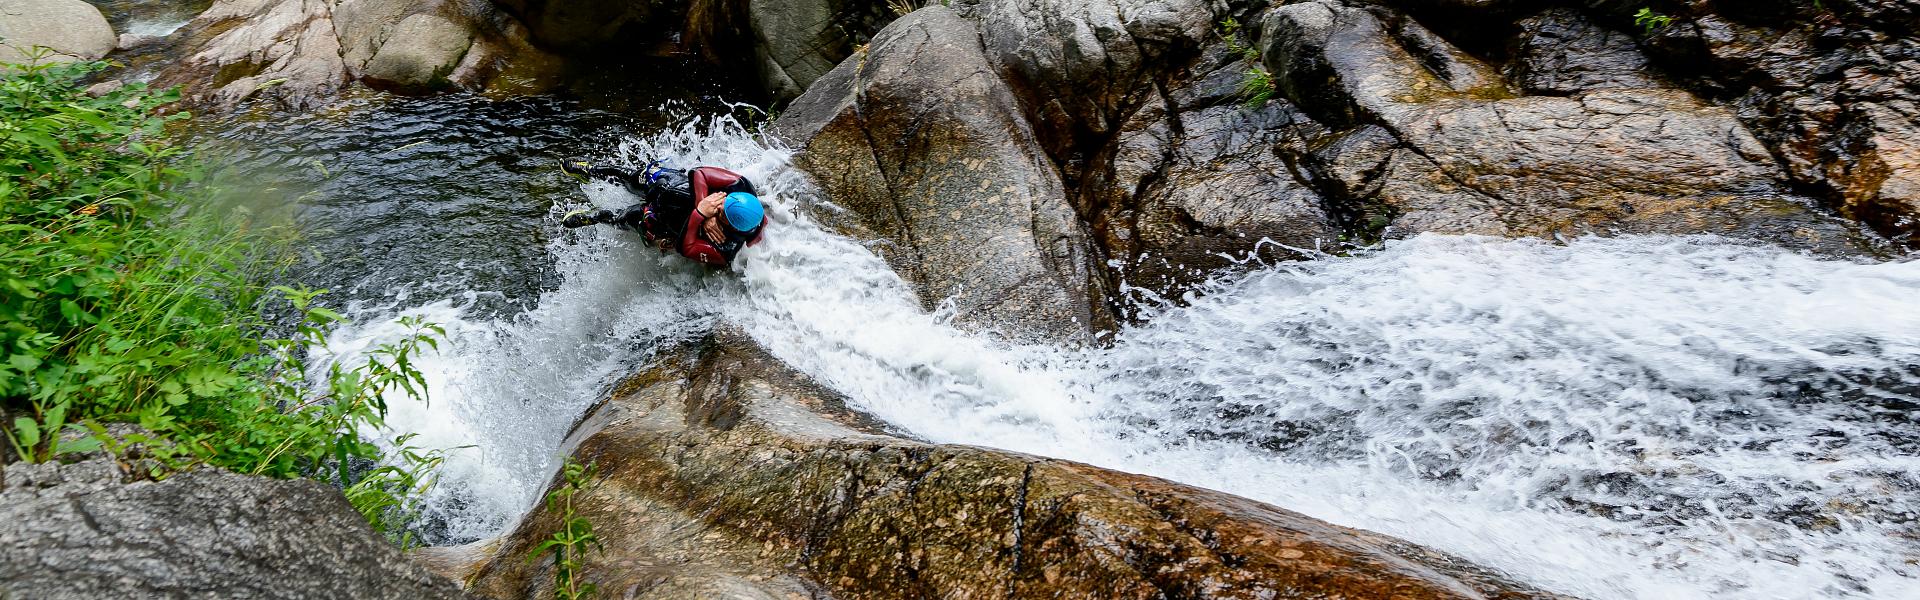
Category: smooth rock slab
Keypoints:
(78, 531)
(726, 474)
(73, 29)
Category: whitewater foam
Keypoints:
(1644, 417)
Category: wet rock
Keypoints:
(921, 139)
(723, 472)
(1561, 52)
(796, 42)
(71, 29)
(1081, 67)
(422, 50)
(1472, 160)
(85, 531)
(1831, 92)
(131, 41)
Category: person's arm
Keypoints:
(709, 208)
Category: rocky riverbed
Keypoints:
(1004, 175)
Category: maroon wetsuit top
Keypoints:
(706, 180)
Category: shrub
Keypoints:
(120, 301)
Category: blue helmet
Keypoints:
(744, 211)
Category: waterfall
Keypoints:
(1636, 417)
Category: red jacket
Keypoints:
(705, 180)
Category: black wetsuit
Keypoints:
(667, 201)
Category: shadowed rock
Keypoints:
(84, 531)
(922, 141)
(1561, 52)
(725, 472)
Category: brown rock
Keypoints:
(725, 472)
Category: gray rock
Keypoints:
(422, 50)
(923, 141)
(798, 41)
(364, 25)
(238, 49)
(1223, 194)
(726, 474)
(72, 29)
(84, 531)
(1561, 52)
(1081, 67)
(1478, 162)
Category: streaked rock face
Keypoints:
(84, 530)
(723, 472)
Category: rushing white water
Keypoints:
(1647, 417)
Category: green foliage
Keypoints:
(1651, 21)
(120, 303)
(575, 537)
(389, 496)
(1257, 87)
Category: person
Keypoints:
(707, 214)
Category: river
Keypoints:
(1638, 417)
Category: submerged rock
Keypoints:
(84, 531)
(72, 29)
(922, 141)
(725, 473)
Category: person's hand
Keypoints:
(709, 207)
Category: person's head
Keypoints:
(742, 212)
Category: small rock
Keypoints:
(105, 87)
(129, 41)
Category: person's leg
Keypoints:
(584, 217)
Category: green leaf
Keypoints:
(28, 430)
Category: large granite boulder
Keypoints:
(725, 473)
(922, 140)
(1469, 156)
(84, 530)
(421, 52)
(71, 29)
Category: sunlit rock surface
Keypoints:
(723, 472)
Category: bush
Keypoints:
(120, 303)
